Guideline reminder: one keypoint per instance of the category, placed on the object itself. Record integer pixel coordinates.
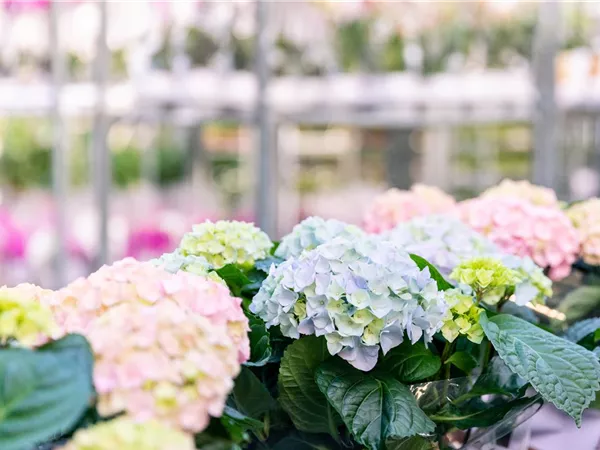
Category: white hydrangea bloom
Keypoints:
(312, 232)
(442, 240)
(362, 294)
(175, 261)
(445, 242)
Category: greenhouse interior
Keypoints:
(299, 225)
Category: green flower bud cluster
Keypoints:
(462, 318)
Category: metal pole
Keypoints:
(266, 194)
(101, 171)
(546, 123)
(59, 170)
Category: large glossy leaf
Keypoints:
(260, 345)
(463, 360)
(375, 407)
(234, 277)
(564, 373)
(299, 394)
(43, 393)
(480, 414)
(580, 330)
(250, 396)
(411, 363)
(443, 285)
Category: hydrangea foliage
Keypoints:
(361, 294)
(312, 232)
(396, 206)
(226, 242)
(125, 434)
(545, 234)
(24, 315)
(586, 218)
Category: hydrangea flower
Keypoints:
(462, 318)
(162, 362)
(361, 294)
(534, 286)
(585, 216)
(227, 242)
(176, 261)
(442, 240)
(312, 232)
(537, 195)
(125, 434)
(24, 317)
(488, 278)
(396, 206)
(545, 234)
(131, 281)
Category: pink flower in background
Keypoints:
(538, 195)
(147, 243)
(79, 304)
(12, 239)
(586, 218)
(543, 233)
(395, 206)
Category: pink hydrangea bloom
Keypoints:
(146, 243)
(545, 234)
(538, 195)
(162, 362)
(586, 218)
(395, 206)
(129, 281)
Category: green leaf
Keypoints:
(412, 443)
(375, 407)
(443, 285)
(411, 363)
(304, 441)
(241, 420)
(299, 394)
(207, 442)
(480, 414)
(260, 342)
(580, 302)
(250, 396)
(265, 264)
(564, 373)
(43, 393)
(497, 379)
(234, 277)
(580, 330)
(463, 360)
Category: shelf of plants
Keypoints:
(414, 332)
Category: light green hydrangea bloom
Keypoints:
(462, 318)
(226, 242)
(312, 232)
(489, 278)
(175, 261)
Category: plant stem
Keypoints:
(487, 355)
(502, 302)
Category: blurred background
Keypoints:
(123, 123)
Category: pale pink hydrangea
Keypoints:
(395, 206)
(162, 362)
(586, 218)
(545, 234)
(537, 195)
(129, 281)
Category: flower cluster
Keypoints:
(545, 234)
(124, 434)
(488, 278)
(226, 242)
(176, 261)
(312, 232)
(586, 219)
(537, 195)
(131, 281)
(534, 286)
(442, 240)
(462, 318)
(24, 317)
(396, 206)
(361, 294)
(162, 362)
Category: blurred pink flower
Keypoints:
(543, 233)
(147, 243)
(395, 206)
(12, 239)
(538, 195)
